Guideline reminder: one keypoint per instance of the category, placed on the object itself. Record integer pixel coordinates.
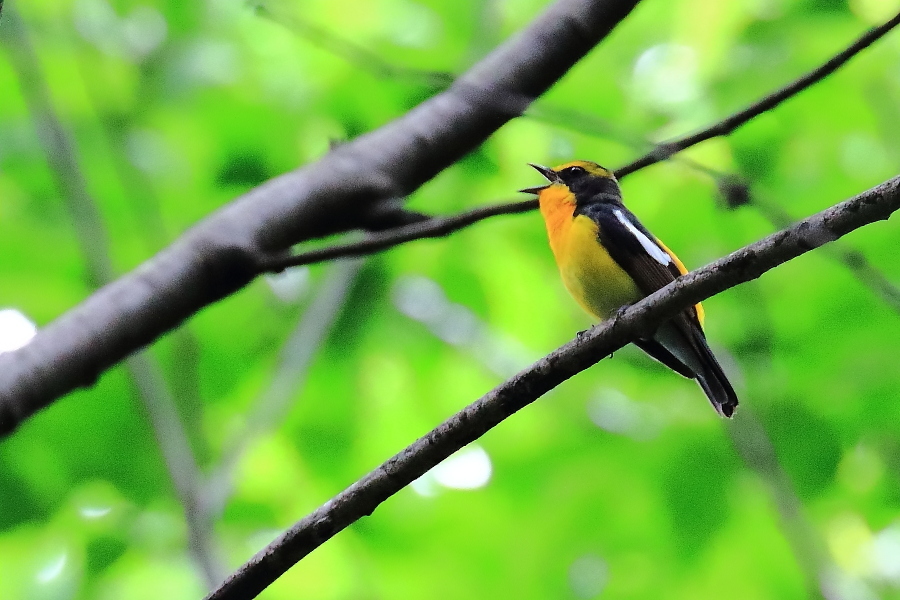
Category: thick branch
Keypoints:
(222, 253)
(364, 496)
(442, 226)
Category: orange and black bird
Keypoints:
(608, 260)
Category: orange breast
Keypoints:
(590, 274)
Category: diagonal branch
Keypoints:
(735, 192)
(222, 253)
(143, 371)
(753, 445)
(376, 242)
(294, 362)
(364, 496)
(171, 437)
(732, 122)
(350, 51)
(851, 258)
(371, 62)
(442, 226)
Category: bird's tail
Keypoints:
(682, 347)
(718, 389)
(712, 378)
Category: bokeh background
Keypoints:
(621, 483)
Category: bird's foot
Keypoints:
(619, 312)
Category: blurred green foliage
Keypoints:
(621, 483)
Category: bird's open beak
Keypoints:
(548, 173)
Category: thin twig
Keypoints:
(294, 360)
(91, 232)
(732, 122)
(147, 211)
(430, 228)
(181, 465)
(442, 226)
(753, 445)
(220, 255)
(364, 496)
(736, 192)
(371, 62)
(350, 51)
(867, 274)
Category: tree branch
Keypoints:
(851, 258)
(732, 122)
(755, 448)
(429, 228)
(222, 253)
(371, 62)
(442, 226)
(290, 374)
(143, 371)
(350, 51)
(735, 192)
(364, 496)
(181, 465)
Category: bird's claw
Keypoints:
(619, 312)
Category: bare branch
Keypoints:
(854, 260)
(732, 122)
(364, 496)
(442, 226)
(753, 445)
(867, 274)
(222, 253)
(429, 228)
(290, 374)
(352, 52)
(735, 192)
(59, 152)
(371, 62)
(181, 465)
(143, 371)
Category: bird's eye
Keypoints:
(574, 171)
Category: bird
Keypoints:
(608, 260)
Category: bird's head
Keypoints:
(588, 181)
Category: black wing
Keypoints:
(679, 344)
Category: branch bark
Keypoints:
(442, 226)
(732, 122)
(376, 242)
(364, 496)
(222, 253)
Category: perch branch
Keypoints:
(222, 253)
(364, 496)
(442, 226)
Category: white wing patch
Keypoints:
(651, 248)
